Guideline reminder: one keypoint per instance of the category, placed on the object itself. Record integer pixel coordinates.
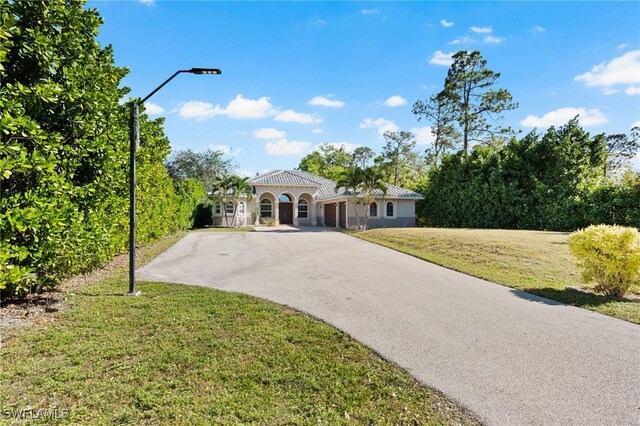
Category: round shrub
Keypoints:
(608, 255)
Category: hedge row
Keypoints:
(64, 151)
(553, 181)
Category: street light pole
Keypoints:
(134, 141)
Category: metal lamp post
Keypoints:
(134, 140)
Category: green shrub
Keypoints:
(608, 255)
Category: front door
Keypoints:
(286, 213)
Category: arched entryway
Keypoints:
(285, 207)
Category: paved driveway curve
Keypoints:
(510, 357)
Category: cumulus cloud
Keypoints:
(370, 11)
(632, 90)
(153, 109)
(326, 102)
(317, 131)
(538, 29)
(622, 46)
(285, 147)
(493, 39)
(269, 133)
(588, 117)
(240, 107)
(623, 70)
(381, 124)
(423, 135)
(395, 101)
(147, 2)
(463, 40)
(446, 23)
(481, 30)
(197, 110)
(441, 58)
(290, 116)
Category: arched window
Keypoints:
(229, 207)
(303, 209)
(373, 209)
(265, 208)
(389, 209)
(216, 208)
(241, 208)
(285, 198)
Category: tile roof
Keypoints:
(326, 187)
(296, 178)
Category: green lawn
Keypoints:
(191, 355)
(534, 261)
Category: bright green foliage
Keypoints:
(608, 255)
(329, 162)
(548, 182)
(64, 149)
(362, 184)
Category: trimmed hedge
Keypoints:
(64, 151)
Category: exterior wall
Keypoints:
(296, 192)
(404, 215)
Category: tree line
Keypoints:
(478, 173)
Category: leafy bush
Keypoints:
(608, 255)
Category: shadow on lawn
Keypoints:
(568, 296)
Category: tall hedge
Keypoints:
(64, 150)
(551, 181)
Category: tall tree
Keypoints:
(469, 91)
(204, 166)
(398, 151)
(352, 179)
(362, 156)
(439, 113)
(329, 161)
(621, 149)
(240, 188)
(362, 185)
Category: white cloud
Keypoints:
(423, 135)
(446, 23)
(608, 92)
(381, 124)
(395, 101)
(591, 117)
(153, 109)
(622, 46)
(623, 70)
(242, 107)
(370, 11)
(317, 131)
(349, 147)
(326, 102)
(197, 110)
(632, 90)
(463, 40)
(321, 22)
(269, 133)
(147, 2)
(441, 58)
(285, 147)
(493, 39)
(481, 30)
(226, 149)
(538, 29)
(290, 116)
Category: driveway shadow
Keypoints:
(568, 296)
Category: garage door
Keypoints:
(330, 215)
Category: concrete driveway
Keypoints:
(510, 357)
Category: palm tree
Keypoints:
(352, 180)
(239, 186)
(221, 192)
(372, 181)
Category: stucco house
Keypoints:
(301, 198)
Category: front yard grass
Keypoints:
(191, 355)
(534, 261)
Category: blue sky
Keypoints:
(296, 75)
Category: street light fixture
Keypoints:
(134, 140)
